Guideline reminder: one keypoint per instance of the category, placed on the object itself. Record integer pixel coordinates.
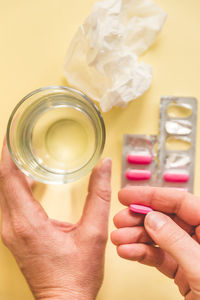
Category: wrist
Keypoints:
(63, 295)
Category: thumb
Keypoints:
(174, 240)
(97, 206)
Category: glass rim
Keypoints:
(64, 88)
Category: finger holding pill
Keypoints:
(130, 235)
(184, 205)
(127, 218)
(135, 214)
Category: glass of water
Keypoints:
(55, 134)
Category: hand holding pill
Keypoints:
(174, 226)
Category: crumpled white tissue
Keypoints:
(102, 59)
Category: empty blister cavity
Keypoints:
(176, 110)
(179, 127)
(138, 175)
(176, 176)
(174, 143)
(176, 160)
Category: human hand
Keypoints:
(59, 260)
(176, 231)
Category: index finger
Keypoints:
(17, 194)
(167, 200)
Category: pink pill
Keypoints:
(138, 174)
(140, 209)
(176, 177)
(139, 159)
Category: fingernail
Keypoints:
(155, 220)
(107, 162)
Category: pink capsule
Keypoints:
(139, 159)
(176, 177)
(138, 174)
(140, 209)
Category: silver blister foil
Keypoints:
(177, 142)
(179, 127)
(139, 146)
(176, 160)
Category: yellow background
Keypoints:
(34, 36)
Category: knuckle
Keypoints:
(98, 235)
(176, 280)
(7, 238)
(22, 230)
(142, 257)
(103, 193)
(175, 238)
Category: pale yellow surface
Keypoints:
(34, 35)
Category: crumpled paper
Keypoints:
(102, 59)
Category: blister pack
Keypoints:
(139, 160)
(177, 141)
(166, 160)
